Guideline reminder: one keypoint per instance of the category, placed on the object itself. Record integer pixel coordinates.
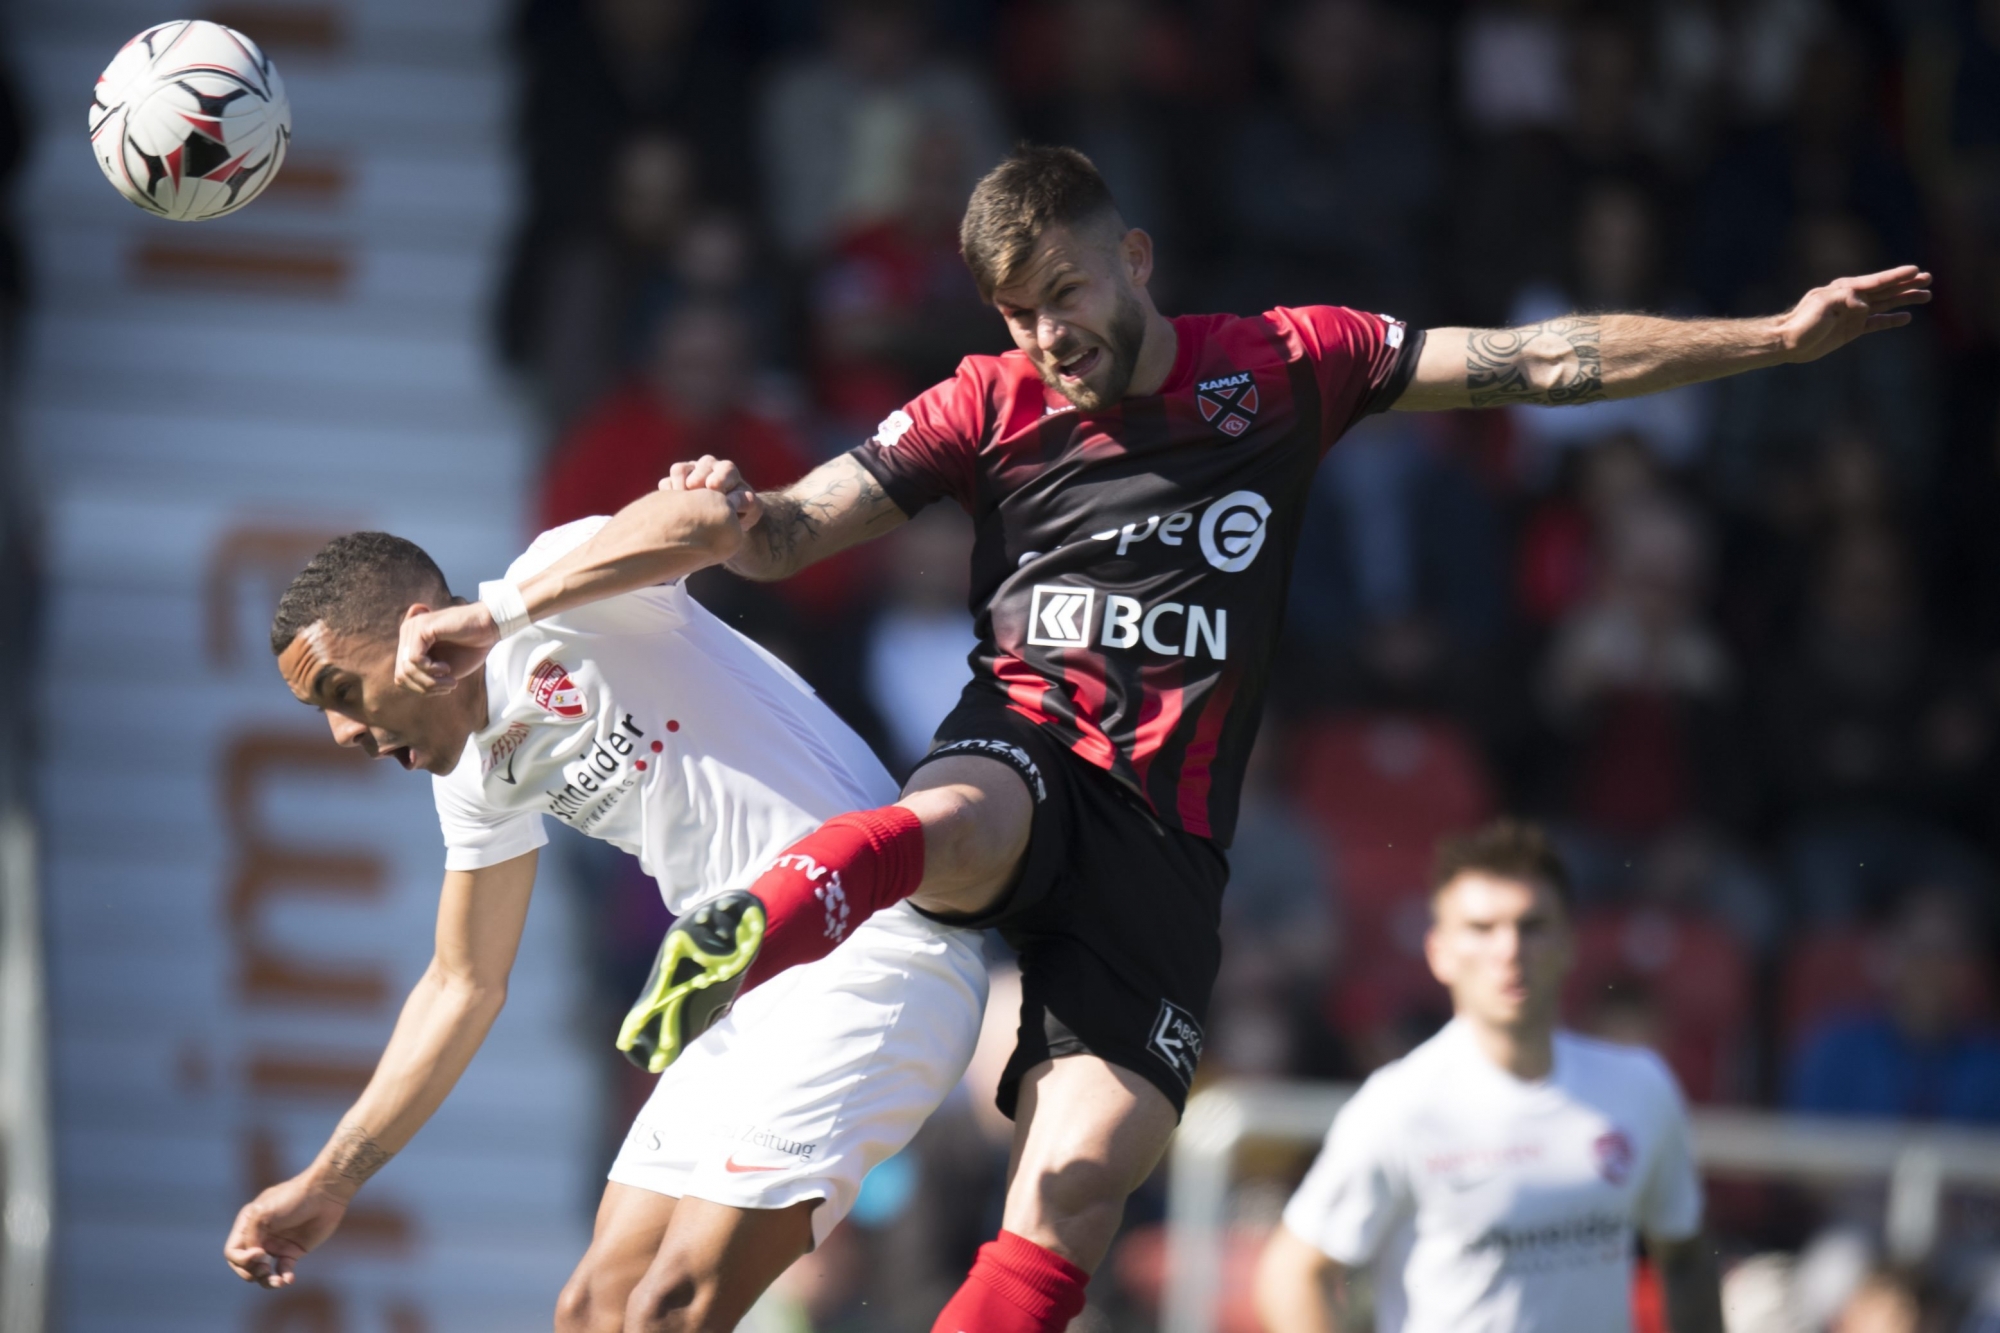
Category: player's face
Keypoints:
(351, 678)
(1502, 947)
(1075, 310)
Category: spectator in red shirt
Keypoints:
(691, 397)
(694, 395)
(893, 308)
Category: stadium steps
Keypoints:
(315, 362)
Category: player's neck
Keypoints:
(1157, 351)
(1527, 1052)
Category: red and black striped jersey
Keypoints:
(1130, 564)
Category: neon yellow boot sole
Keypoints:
(695, 978)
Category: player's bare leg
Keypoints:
(713, 1264)
(976, 815)
(1086, 1134)
(631, 1223)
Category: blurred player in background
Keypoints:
(1137, 484)
(612, 700)
(1496, 1177)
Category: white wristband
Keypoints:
(510, 609)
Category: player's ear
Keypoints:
(1435, 955)
(1135, 252)
(1565, 941)
(415, 609)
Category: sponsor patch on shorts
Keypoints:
(1176, 1040)
(1007, 753)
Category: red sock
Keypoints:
(833, 879)
(1015, 1286)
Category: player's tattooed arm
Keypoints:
(837, 505)
(1553, 363)
(1588, 358)
(354, 1155)
(481, 914)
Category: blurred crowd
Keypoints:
(18, 522)
(1739, 645)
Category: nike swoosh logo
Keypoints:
(508, 776)
(735, 1168)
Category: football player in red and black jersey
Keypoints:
(1137, 485)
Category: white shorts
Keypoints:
(817, 1075)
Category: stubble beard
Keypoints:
(1122, 342)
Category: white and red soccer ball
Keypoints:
(190, 120)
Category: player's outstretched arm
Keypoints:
(656, 539)
(837, 505)
(1588, 358)
(1297, 1286)
(1690, 1282)
(480, 915)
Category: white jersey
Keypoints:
(1485, 1204)
(647, 722)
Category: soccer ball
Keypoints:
(190, 120)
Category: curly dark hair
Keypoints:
(1504, 849)
(359, 583)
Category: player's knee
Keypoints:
(973, 830)
(657, 1304)
(677, 1301)
(1079, 1190)
(585, 1306)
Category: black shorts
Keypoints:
(1116, 916)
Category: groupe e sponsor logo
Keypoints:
(1063, 615)
(1231, 530)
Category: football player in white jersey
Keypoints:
(1496, 1179)
(610, 699)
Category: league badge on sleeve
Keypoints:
(1228, 403)
(552, 689)
(893, 428)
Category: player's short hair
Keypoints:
(360, 583)
(1036, 187)
(1504, 849)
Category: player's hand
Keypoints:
(276, 1229)
(438, 649)
(1832, 316)
(717, 474)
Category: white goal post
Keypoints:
(1918, 1161)
(27, 1154)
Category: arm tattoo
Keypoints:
(797, 517)
(356, 1156)
(1497, 364)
